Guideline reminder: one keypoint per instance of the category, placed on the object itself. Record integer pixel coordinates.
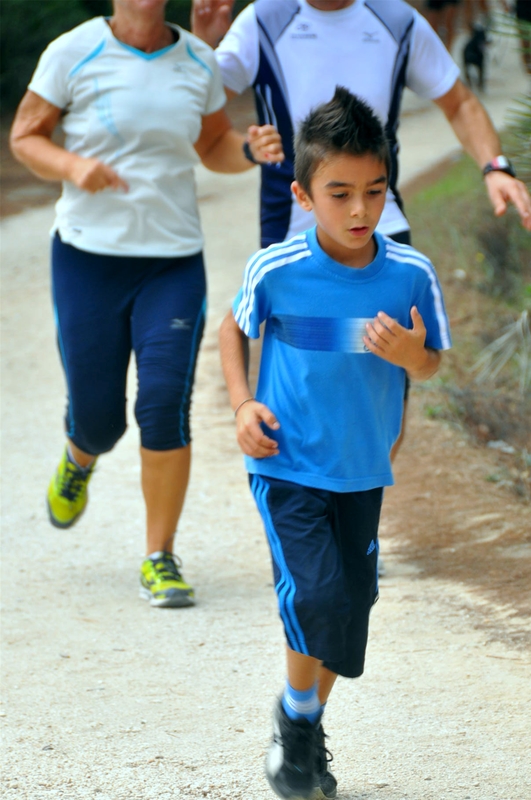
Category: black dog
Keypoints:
(474, 56)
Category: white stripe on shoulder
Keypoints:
(278, 249)
(269, 256)
(274, 257)
(243, 313)
(404, 254)
(404, 250)
(273, 252)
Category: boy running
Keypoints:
(348, 313)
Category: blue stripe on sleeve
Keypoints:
(93, 54)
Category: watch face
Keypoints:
(500, 162)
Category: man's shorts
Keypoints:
(324, 548)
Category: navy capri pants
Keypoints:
(105, 308)
(324, 548)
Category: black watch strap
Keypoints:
(247, 152)
(499, 164)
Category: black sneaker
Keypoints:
(326, 785)
(291, 759)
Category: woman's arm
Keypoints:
(220, 147)
(32, 145)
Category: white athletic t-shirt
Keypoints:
(350, 47)
(139, 113)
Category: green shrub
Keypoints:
(28, 26)
(485, 269)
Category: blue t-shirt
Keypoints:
(338, 405)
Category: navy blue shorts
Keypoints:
(324, 549)
(107, 307)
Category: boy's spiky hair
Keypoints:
(345, 124)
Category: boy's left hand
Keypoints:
(389, 340)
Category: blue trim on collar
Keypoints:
(356, 274)
(147, 56)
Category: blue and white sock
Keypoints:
(301, 705)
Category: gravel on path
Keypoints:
(109, 699)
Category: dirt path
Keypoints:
(106, 698)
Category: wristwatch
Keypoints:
(499, 164)
(248, 154)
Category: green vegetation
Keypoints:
(27, 27)
(484, 265)
(520, 116)
(519, 135)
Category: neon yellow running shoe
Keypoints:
(162, 583)
(67, 493)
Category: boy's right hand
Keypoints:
(249, 433)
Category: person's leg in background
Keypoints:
(433, 11)
(450, 14)
(442, 16)
(167, 324)
(476, 12)
(523, 20)
(92, 319)
(401, 237)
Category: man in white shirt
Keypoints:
(294, 53)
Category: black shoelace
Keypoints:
(73, 481)
(167, 567)
(324, 756)
(298, 744)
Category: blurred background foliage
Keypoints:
(27, 26)
(519, 116)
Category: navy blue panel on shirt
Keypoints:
(398, 18)
(272, 108)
